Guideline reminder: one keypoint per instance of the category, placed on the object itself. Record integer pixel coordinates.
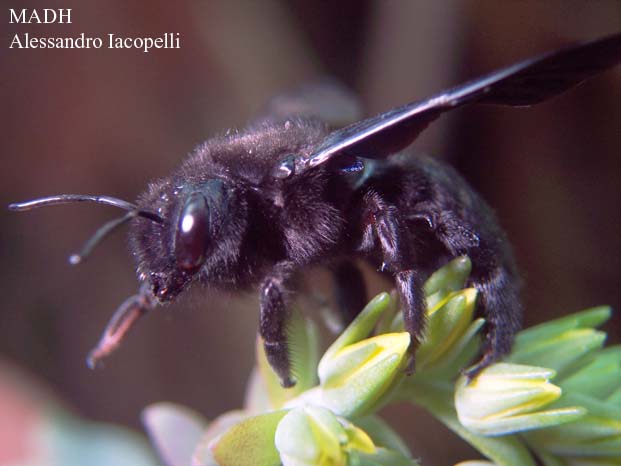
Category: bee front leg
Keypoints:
(272, 327)
(123, 319)
(398, 259)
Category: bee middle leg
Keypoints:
(398, 259)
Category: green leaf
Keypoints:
(558, 351)
(594, 406)
(591, 436)
(615, 399)
(249, 442)
(599, 378)
(589, 318)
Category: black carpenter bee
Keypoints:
(255, 207)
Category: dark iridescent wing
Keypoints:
(525, 83)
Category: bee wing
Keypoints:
(525, 83)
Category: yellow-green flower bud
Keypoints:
(355, 376)
(508, 398)
(313, 436)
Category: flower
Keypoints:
(556, 398)
(356, 371)
(314, 436)
(589, 376)
(509, 398)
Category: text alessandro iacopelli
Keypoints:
(169, 40)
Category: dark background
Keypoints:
(107, 121)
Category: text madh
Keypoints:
(44, 16)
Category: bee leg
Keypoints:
(350, 290)
(499, 303)
(398, 260)
(410, 286)
(120, 323)
(272, 328)
(498, 284)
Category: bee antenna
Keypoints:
(100, 234)
(68, 198)
(132, 212)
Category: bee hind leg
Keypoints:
(499, 303)
(495, 276)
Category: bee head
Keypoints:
(186, 244)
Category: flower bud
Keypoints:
(508, 398)
(354, 377)
(313, 436)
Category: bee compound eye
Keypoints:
(192, 232)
